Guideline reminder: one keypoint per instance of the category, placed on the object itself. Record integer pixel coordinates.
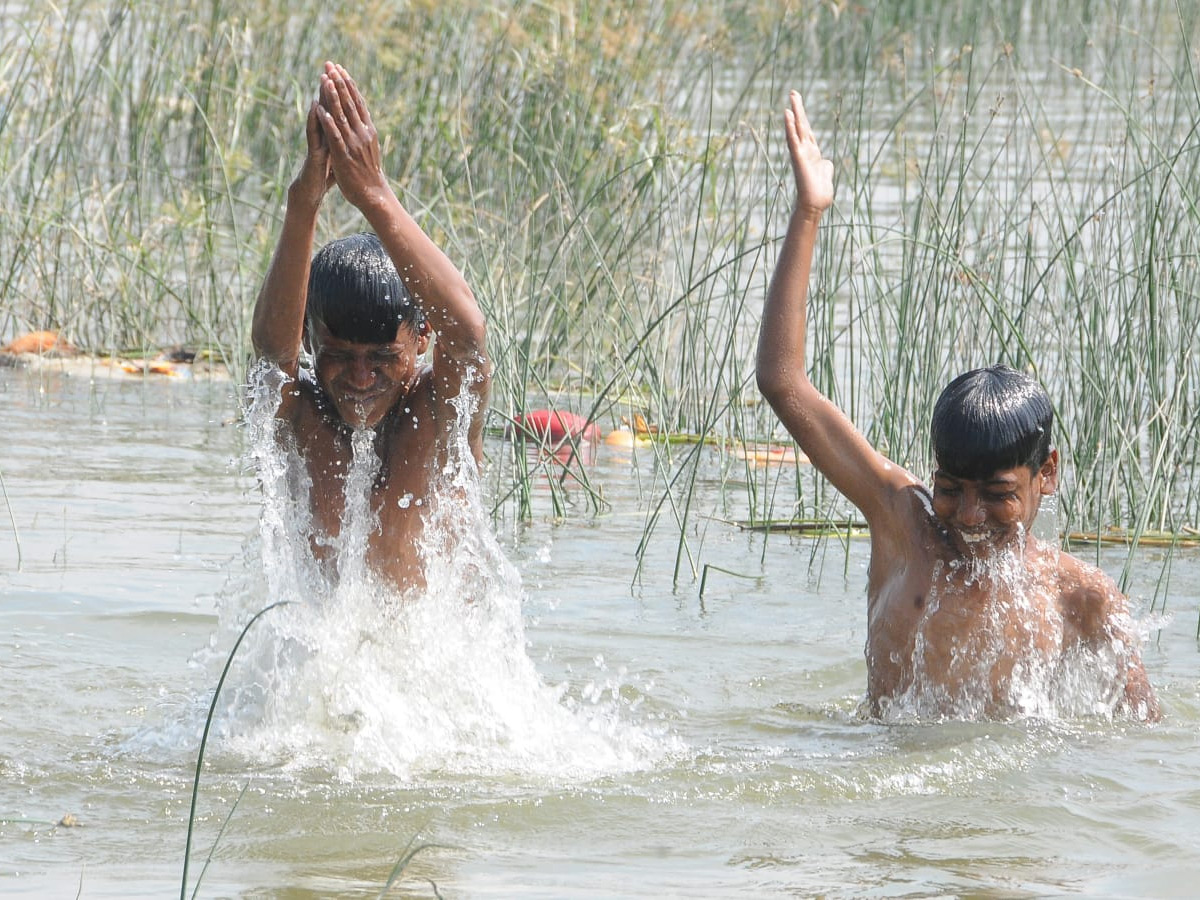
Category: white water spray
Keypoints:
(1002, 653)
(355, 677)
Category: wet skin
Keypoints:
(383, 385)
(379, 386)
(983, 516)
(364, 382)
(971, 601)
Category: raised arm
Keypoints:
(436, 284)
(278, 326)
(828, 438)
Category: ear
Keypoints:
(1049, 473)
(423, 335)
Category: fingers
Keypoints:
(342, 97)
(360, 103)
(332, 122)
(791, 132)
(803, 128)
(813, 172)
(312, 127)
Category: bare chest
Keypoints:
(379, 484)
(962, 633)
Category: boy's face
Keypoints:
(988, 514)
(365, 381)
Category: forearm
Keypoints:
(278, 325)
(436, 284)
(781, 359)
(1139, 695)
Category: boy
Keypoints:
(367, 311)
(967, 613)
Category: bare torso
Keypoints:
(410, 453)
(965, 635)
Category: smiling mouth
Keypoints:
(974, 537)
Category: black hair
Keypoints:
(990, 419)
(356, 293)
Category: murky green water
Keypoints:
(692, 747)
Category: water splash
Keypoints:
(1003, 655)
(356, 678)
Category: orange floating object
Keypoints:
(153, 367)
(768, 454)
(623, 437)
(640, 426)
(553, 426)
(40, 342)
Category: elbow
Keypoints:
(475, 328)
(262, 344)
(768, 383)
(472, 328)
(774, 384)
(463, 335)
(258, 339)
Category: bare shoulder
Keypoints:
(906, 524)
(310, 418)
(1088, 598)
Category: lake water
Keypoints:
(612, 739)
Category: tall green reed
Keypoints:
(1014, 184)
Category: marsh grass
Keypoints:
(208, 721)
(1015, 184)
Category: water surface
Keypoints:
(690, 746)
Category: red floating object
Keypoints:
(554, 427)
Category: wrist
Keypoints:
(303, 198)
(808, 215)
(380, 201)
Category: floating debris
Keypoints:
(1185, 537)
(40, 343)
(809, 527)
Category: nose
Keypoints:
(361, 373)
(970, 509)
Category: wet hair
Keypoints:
(990, 419)
(356, 293)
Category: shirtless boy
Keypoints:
(367, 307)
(965, 607)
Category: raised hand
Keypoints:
(316, 174)
(355, 158)
(814, 173)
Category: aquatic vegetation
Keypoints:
(208, 720)
(1015, 184)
